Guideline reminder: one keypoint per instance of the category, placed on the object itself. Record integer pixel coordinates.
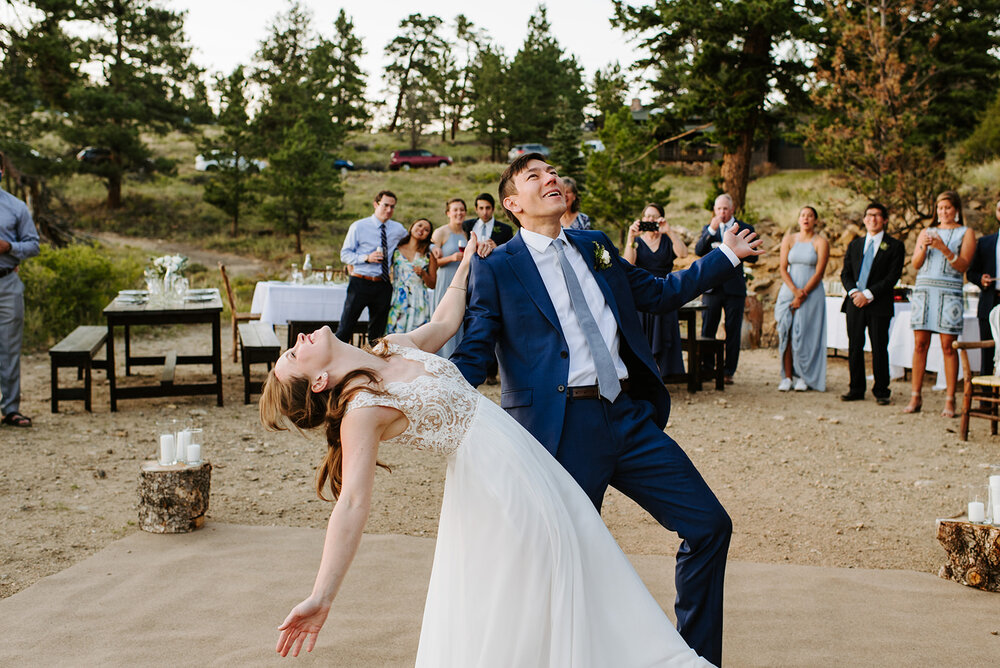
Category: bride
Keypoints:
(525, 573)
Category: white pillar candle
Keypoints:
(977, 511)
(194, 454)
(167, 450)
(183, 441)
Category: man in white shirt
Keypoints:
(872, 267)
(489, 231)
(560, 307)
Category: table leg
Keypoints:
(110, 368)
(217, 357)
(128, 350)
(694, 357)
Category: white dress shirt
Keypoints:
(582, 370)
(877, 240)
(483, 230)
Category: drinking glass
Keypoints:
(328, 274)
(180, 289)
(296, 274)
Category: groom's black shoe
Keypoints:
(883, 401)
(850, 396)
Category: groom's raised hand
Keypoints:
(744, 244)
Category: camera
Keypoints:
(648, 226)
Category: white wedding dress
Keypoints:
(525, 572)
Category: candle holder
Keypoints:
(994, 495)
(978, 496)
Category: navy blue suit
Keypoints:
(729, 296)
(602, 443)
(985, 262)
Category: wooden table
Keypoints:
(126, 313)
(692, 376)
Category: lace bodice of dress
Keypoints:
(439, 404)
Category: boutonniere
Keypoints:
(883, 246)
(602, 258)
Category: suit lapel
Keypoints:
(991, 246)
(523, 267)
(587, 250)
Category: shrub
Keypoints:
(71, 286)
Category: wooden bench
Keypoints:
(77, 350)
(258, 343)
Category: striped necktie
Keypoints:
(385, 255)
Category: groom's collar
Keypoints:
(539, 242)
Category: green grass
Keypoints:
(171, 207)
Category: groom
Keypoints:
(560, 307)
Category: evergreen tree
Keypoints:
(302, 182)
(336, 70)
(984, 142)
(542, 79)
(723, 61)
(412, 55)
(610, 88)
(229, 188)
(621, 178)
(140, 51)
(488, 84)
(566, 155)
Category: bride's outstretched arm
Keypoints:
(450, 310)
(360, 432)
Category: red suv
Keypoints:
(417, 158)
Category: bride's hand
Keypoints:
(302, 626)
(470, 248)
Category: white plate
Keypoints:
(137, 293)
(202, 291)
(199, 298)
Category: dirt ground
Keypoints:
(807, 478)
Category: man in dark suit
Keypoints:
(561, 309)
(983, 272)
(872, 267)
(491, 233)
(731, 296)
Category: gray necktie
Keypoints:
(866, 265)
(607, 376)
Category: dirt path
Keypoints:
(806, 478)
(236, 265)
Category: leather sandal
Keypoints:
(15, 419)
(916, 403)
(949, 401)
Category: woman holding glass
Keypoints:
(800, 311)
(449, 245)
(943, 253)
(414, 270)
(652, 245)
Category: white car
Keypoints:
(214, 161)
(595, 145)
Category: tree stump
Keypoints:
(973, 553)
(173, 499)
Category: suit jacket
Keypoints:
(886, 269)
(985, 262)
(735, 283)
(502, 232)
(510, 309)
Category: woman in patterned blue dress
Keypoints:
(943, 253)
(414, 270)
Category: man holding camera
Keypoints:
(731, 296)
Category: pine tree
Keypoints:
(488, 83)
(229, 188)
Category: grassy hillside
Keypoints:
(172, 207)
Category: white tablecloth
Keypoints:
(279, 302)
(900, 339)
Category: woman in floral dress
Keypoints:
(414, 270)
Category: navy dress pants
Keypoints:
(620, 445)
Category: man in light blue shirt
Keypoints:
(18, 242)
(368, 249)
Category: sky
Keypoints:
(225, 33)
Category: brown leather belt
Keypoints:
(374, 279)
(591, 391)
(7, 270)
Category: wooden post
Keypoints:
(173, 499)
(973, 553)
